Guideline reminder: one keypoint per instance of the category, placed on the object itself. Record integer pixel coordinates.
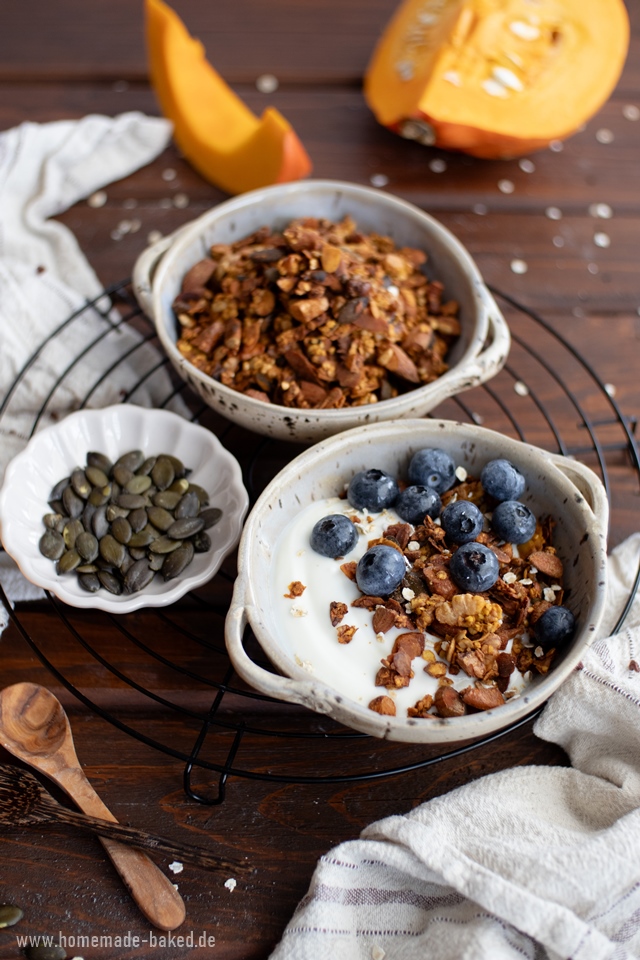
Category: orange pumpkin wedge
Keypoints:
(215, 130)
(496, 78)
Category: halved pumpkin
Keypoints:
(496, 78)
(215, 130)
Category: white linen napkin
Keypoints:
(535, 862)
(45, 277)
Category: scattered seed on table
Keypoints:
(437, 165)
(379, 180)
(631, 112)
(610, 389)
(181, 201)
(553, 213)
(602, 211)
(557, 146)
(528, 166)
(521, 388)
(267, 83)
(10, 914)
(41, 951)
(605, 136)
(169, 174)
(602, 240)
(558, 241)
(593, 268)
(97, 199)
(480, 209)
(519, 266)
(506, 186)
(154, 236)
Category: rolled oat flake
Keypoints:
(10, 914)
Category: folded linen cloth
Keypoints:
(536, 862)
(45, 278)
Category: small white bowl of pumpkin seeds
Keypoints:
(122, 508)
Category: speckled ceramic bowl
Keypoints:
(562, 488)
(478, 354)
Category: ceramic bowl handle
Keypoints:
(146, 266)
(308, 693)
(492, 355)
(588, 485)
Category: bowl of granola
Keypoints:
(304, 309)
(421, 580)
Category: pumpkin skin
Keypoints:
(215, 130)
(496, 78)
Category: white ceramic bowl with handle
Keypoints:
(563, 488)
(479, 353)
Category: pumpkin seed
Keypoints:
(87, 568)
(164, 545)
(87, 515)
(131, 500)
(126, 563)
(138, 553)
(121, 530)
(42, 951)
(203, 496)
(100, 495)
(167, 499)
(202, 542)
(156, 560)
(163, 473)
(189, 506)
(10, 914)
(109, 582)
(80, 483)
(89, 581)
(73, 504)
(54, 521)
(138, 484)
(143, 537)
(160, 518)
(132, 460)
(99, 522)
(69, 561)
(58, 490)
(180, 486)
(72, 531)
(138, 519)
(186, 527)
(96, 477)
(122, 474)
(176, 562)
(87, 546)
(147, 466)
(211, 516)
(100, 461)
(51, 545)
(179, 468)
(114, 511)
(138, 576)
(111, 551)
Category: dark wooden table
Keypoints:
(68, 59)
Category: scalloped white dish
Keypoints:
(54, 451)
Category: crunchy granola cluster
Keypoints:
(318, 316)
(474, 630)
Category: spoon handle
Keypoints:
(111, 830)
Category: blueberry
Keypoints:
(416, 503)
(334, 536)
(513, 521)
(462, 521)
(432, 467)
(380, 570)
(474, 567)
(555, 627)
(372, 490)
(502, 481)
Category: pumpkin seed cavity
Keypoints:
(115, 525)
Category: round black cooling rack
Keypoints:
(106, 352)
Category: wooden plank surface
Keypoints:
(68, 59)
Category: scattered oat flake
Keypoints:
(556, 146)
(523, 30)
(558, 241)
(519, 266)
(413, 545)
(452, 76)
(601, 210)
(116, 235)
(154, 236)
(181, 201)
(602, 240)
(169, 174)
(230, 884)
(165, 203)
(553, 213)
(298, 612)
(461, 474)
(604, 136)
(521, 388)
(267, 83)
(631, 112)
(97, 199)
(609, 389)
(510, 577)
(480, 209)
(527, 166)
(506, 186)
(538, 652)
(494, 88)
(477, 418)
(408, 593)
(526, 582)
(377, 953)
(548, 595)
(379, 180)
(437, 165)
(176, 867)
(556, 586)
(593, 268)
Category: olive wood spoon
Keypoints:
(25, 802)
(35, 728)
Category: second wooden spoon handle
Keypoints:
(151, 889)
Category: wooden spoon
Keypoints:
(24, 802)
(35, 728)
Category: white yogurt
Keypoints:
(304, 621)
